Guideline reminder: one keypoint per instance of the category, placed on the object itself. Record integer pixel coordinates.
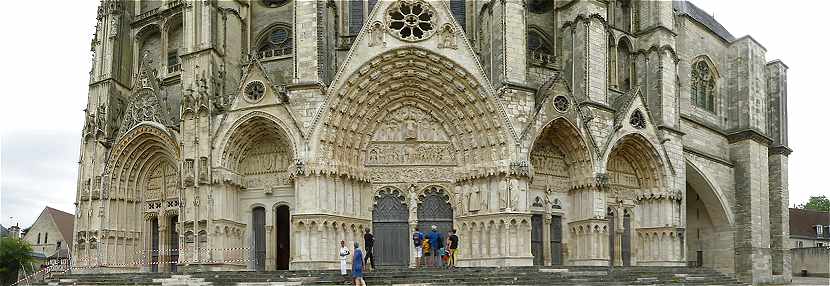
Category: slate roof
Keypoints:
(682, 7)
(803, 222)
(3, 231)
(65, 222)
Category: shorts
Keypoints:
(419, 252)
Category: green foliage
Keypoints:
(13, 253)
(816, 203)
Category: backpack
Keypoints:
(416, 238)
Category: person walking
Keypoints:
(357, 265)
(435, 242)
(453, 247)
(369, 243)
(344, 254)
(417, 240)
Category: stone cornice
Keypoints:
(517, 86)
(708, 156)
(306, 85)
(780, 150)
(748, 134)
(671, 129)
(598, 105)
(654, 29)
(703, 124)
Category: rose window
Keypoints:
(637, 120)
(411, 20)
(254, 91)
(561, 103)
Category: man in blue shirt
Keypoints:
(435, 244)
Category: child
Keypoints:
(426, 248)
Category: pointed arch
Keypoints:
(258, 144)
(703, 83)
(633, 163)
(474, 121)
(558, 153)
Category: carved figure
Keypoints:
(446, 39)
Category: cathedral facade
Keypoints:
(258, 134)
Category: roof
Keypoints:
(65, 222)
(3, 231)
(803, 222)
(687, 8)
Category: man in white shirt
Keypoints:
(344, 254)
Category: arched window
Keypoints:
(622, 15)
(537, 44)
(276, 42)
(459, 12)
(703, 86)
(624, 66)
(46, 238)
(38, 238)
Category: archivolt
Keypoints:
(473, 121)
(564, 136)
(249, 130)
(137, 152)
(646, 162)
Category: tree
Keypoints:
(14, 252)
(816, 203)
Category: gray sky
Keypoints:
(46, 63)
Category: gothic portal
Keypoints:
(257, 135)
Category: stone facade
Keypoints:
(257, 134)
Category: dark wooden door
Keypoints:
(390, 223)
(536, 239)
(154, 245)
(174, 244)
(283, 237)
(436, 210)
(556, 240)
(258, 224)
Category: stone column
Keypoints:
(546, 247)
(777, 127)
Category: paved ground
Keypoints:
(811, 281)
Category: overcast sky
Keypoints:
(46, 63)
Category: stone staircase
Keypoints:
(432, 276)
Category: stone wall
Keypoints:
(815, 260)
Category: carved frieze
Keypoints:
(411, 174)
(266, 164)
(412, 153)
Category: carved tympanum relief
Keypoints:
(622, 178)
(161, 183)
(265, 163)
(410, 145)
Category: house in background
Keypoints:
(51, 234)
(4, 232)
(809, 228)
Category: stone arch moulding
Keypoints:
(706, 59)
(566, 138)
(144, 132)
(236, 139)
(467, 64)
(292, 135)
(463, 103)
(654, 159)
(717, 205)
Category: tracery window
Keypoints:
(276, 42)
(703, 86)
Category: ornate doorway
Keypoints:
(258, 224)
(435, 209)
(283, 237)
(390, 225)
(536, 248)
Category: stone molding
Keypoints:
(748, 134)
